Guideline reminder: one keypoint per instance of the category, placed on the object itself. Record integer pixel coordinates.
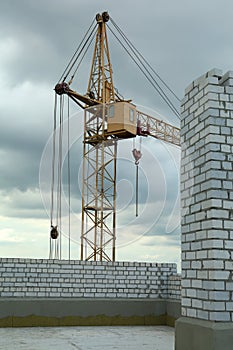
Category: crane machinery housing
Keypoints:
(108, 118)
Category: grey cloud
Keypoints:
(18, 170)
(180, 39)
(22, 204)
(169, 241)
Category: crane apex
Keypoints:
(104, 17)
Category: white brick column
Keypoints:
(207, 210)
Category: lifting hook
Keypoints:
(137, 156)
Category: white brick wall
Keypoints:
(60, 278)
(206, 197)
(174, 287)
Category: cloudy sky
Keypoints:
(181, 40)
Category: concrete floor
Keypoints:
(88, 338)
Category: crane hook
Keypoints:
(137, 156)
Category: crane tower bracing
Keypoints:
(108, 118)
(99, 188)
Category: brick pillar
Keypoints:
(207, 214)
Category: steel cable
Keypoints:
(150, 78)
(68, 171)
(144, 59)
(53, 159)
(70, 64)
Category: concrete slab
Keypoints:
(196, 334)
(88, 338)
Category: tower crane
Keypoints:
(108, 118)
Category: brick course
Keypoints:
(174, 287)
(43, 278)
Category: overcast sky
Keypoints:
(181, 40)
